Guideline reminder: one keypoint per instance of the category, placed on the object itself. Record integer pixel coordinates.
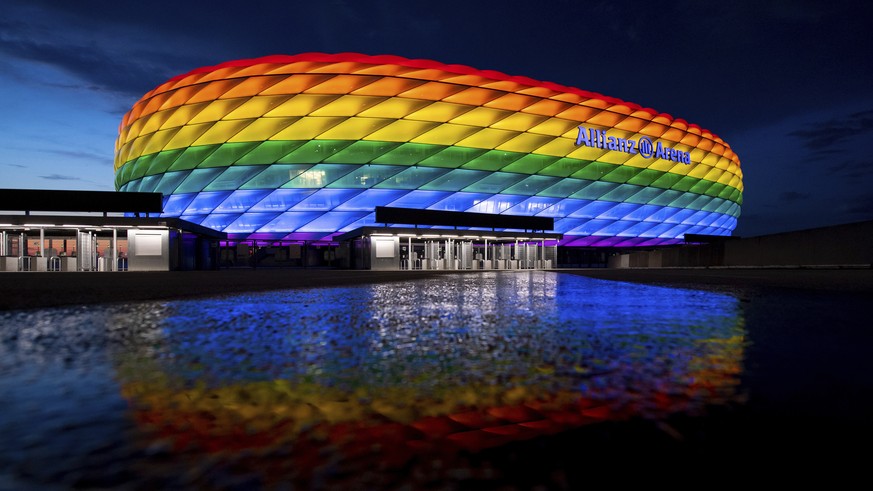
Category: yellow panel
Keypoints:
(301, 105)
(355, 128)
(481, 116)
(262, 129)
(432, 91)
(614, 157)
(606, 118)
(186, 135)
(710, 159)
(698, 170)
(525, 142)
(697, 155)
(252, 86)
(512, 102)
(256, 107)
(439, 111)
(546, 107)
(554, 127)
(222, 131)
(388, 87)
(578, 114)
(158, 141)
(347, 105)
(217, 110)
(136, 148)
(724, 163)
(403, 130)
(446, 134)
(660, 165)
(713, 175)
(212, 91)
(518, 122)
(586, 153)
(487, 138)
(558, 147)
(681, 169)
(307, 128)
(295, 84)
(342, 84)
(638, 161)
(394, 108)
(474, 96)
(183, 114)
(154, 122)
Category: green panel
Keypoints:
(645, 177)
(269, 152)
(170, 181)
(736, 196)
(700, 202)
(313, 152)
(494, 183)
(412, 178)
(275, 176)
(622, 174)
(564, 166)
(645, 196)
(492, 160)
(192, 156)
(666, 181)
(455, 180)
(564, 188)
(715, 189)
(233, 177)
(621, 193)
(366, 176)
(228, 153)
(701, 187)
(594, 171)
(685, 184)
(667, 196)
(197, 180)
(684, 200)
(141, 166)
(453, 157)
(532, 185)
(409, 154)
(594, 190)
(320, 176)
(530, 164)
(119, 176)
(163, 161)
(361, 152)
(715, 204)
(126, 171)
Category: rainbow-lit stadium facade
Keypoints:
(305, 147)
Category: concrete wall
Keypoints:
(839, 245)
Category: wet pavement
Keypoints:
(499, 380)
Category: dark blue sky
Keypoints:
(788, 84)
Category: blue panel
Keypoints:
(219, 221)
(149, 183)
(591, 227)
(367, 220)
(680, 216)
(695, 218)
(420, 199)
(593, 209)
(198, 179)
(366, 176)
(249, 222)
(533, 185)
(644, 212)
(194, 218)
(662, 214)
(332, 221)
(459, 201)
(242, 200)
(496, 204)
(290, 221)
(658, 230)
(170, 181)
(233, 177)
(320, 176)
(413, 177)
(640, 228)
(133, 186)
(176, 204)
(620, 211)
(455, 180)
(565, 207)
(533, 206)
(325, 199)
(282, 199)
(618, 227)
(564, 225)
(370, 199)
(206, 202)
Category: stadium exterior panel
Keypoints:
(305, 147)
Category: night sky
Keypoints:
(787, 84)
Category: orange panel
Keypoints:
(213, 91)
(342, 84)
(295, 84)
(474, 96)
(432, 91)
(512, 102)
(387, 87)
(578, 113)
(546, 107)
(252, 86)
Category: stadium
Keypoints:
(465, 165)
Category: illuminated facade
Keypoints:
(305, 147)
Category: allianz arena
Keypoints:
(306, 147)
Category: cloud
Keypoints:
(825, 135)
(854, 170)
(861, 206)
(59, 177)
(16, 165)
(792, 196)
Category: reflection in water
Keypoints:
(314, 385)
